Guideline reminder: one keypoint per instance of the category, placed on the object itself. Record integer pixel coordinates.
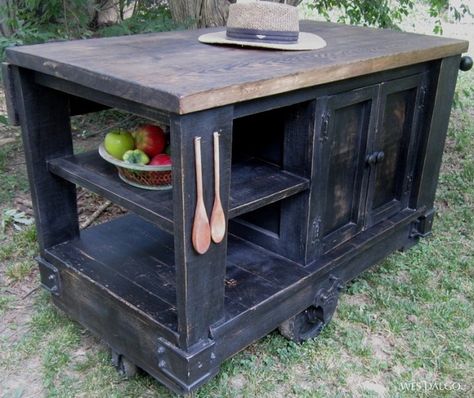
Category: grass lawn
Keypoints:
(409, 319)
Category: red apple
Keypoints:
(150, 139)
(162, 159)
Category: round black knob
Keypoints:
(380, 156)
(466, 63)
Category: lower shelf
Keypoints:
(134, 261)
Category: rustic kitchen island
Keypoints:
(329, 162)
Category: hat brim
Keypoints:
(306, 41)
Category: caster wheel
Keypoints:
(309, 323)
(123, 365)
(304, 326)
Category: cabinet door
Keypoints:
(341, 178)
(392, 147)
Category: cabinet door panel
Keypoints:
(340, 181)
(390, 177)
(345, 143)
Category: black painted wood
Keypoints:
(134, 260)
(346, 261)
(99, 98)
(199, 278)
(94, 173)
(285, 137)
(9, 90)
(81, 106)
(125, 329)
(295, 97)
(246, 288)
(254, 184)
(279, 271)
(43, 114)
(111, 275)
(400, 105)
(440, 96)
(341, 174)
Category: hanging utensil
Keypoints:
(201, 234)
(217, 215)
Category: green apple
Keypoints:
(118, 142)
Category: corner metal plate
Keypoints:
(50, 278)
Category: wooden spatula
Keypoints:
(201, 235)
(217, 215)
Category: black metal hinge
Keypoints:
(316, 230)
(421, 103)
(409, 183)
(324, 127)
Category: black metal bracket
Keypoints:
(326, 299)
(421, 228)
(50, 278)
(194, 366)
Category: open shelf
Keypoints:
(134, 260)
(90, 171)
(254, 184)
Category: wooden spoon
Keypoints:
(201, 235)
(217, 215)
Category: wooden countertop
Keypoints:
(174, 72)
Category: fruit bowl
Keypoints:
(141, 176)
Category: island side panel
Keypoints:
(199, 277)
(428, 167)
(46, 132)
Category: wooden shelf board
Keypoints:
(134, 261)
(253, 184)
(90, 171)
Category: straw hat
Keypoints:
(264, 24)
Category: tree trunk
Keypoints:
(214, 13)
(206, 13)
(186, 12)
(5, 29)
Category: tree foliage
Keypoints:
(389, 13)
(378, 13)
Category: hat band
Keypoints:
(267, 36)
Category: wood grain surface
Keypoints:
(174, 72)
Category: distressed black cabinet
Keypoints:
(329, 163)
(367, 145)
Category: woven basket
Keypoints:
(141, 176)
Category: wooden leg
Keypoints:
(44, 118)
(199, 278)
(428, 173)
